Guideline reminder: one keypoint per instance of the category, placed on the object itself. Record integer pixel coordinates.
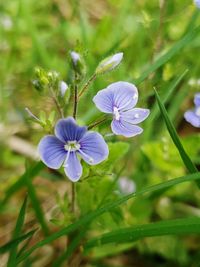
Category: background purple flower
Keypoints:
(193, 116)
(119, 99)
(70, 142)
(197, 3)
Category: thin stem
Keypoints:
(92, 78)
(94, 124)
(75, 100)
(73, 198)
(56, 103)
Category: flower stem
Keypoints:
(92, 78)
(94, 124)
(73, 198)
(56, 103)
(75, 100)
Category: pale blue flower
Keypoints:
(70, 143)
(119, 99)
(193, 116)
(197, 3)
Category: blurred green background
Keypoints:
(41, 33)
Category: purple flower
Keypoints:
(119, 99)
(197, 3)
(193, 116)
(70, 142)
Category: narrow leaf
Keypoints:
(94, 214)
(131, 234)
(17, 233)
(172, 131)
(175, 49)
(8, 246)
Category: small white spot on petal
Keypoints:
(137, 116)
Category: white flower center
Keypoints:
(116, 113)
(72, 146)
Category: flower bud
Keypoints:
(109, 63)
(77, 62)
(63, 88)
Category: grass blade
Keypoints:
(131, 234)
(175, 49)
(36, 206)
(8, 246)
(172, 131)
(155, 111)
(29, 174)
(17, 233)
(94, 214)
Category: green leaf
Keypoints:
(8, 246)
(165, 98)
(30, 173)
(131, 234)
(36, 206)
(16, 234)
(109, 206)
(172, 131)
(175, 49)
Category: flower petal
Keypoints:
(135, 115)
(104, 101)
(192, 118)
(52, 151)
(68, 130)
(197, 100)
(121, 127)
(125, 95)
(73, 168)
(93, 148)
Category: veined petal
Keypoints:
(68, 130)
(121, 127)
(197, 100)
(52, 151)
(93, 148)
(135, 115)
(191, 117)
(72, 167)
(104, 101)
(125, 95)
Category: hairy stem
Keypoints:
(92, 78)
(73, 198)
(57, 104)
(94, 124)
(75, 100)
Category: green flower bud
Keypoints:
(109, 63)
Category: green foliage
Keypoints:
(161, 49)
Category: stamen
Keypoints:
(90, 159)
(66, 160)
(116, 113)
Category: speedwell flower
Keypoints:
(69, 143)
(119, 99)
(197, 3)
(193, 116)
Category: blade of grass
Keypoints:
(166, 97)
(131, 234)
(16, 234)
(172, 131)
(94, 214)
(175, 49)
(8, 246)
(29, 174)
(36, 206)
